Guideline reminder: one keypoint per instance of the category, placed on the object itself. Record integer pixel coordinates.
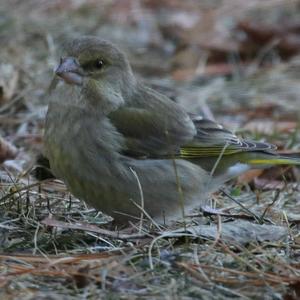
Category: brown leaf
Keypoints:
(293, 292)
(260, 33)
(268, 184)
(7, 150)
(81, 279)
(285, 35)
(289, 44)
(249, 176)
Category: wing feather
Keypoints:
(157, 129)
(212, 140)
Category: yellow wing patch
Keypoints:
(198, 152)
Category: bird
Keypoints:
(130, 151)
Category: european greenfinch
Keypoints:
(126, 149)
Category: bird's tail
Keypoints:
(264, 160)
(252, 160)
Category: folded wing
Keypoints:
(213, 140)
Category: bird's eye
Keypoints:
(99, 64)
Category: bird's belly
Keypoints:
(127, 187)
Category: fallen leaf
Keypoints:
(268, 184)
(249, 176)
(293, 292)
(290, 44)
(284, 35)
(81, 279)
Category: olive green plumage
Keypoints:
(109, 137)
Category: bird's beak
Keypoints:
(70, 71)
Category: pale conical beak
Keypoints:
(70, 71)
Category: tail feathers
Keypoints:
(271, 160)
(258, 161)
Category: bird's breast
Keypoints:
(80, 143)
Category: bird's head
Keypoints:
(98, 68)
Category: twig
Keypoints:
(242, 206)
(88, 227)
